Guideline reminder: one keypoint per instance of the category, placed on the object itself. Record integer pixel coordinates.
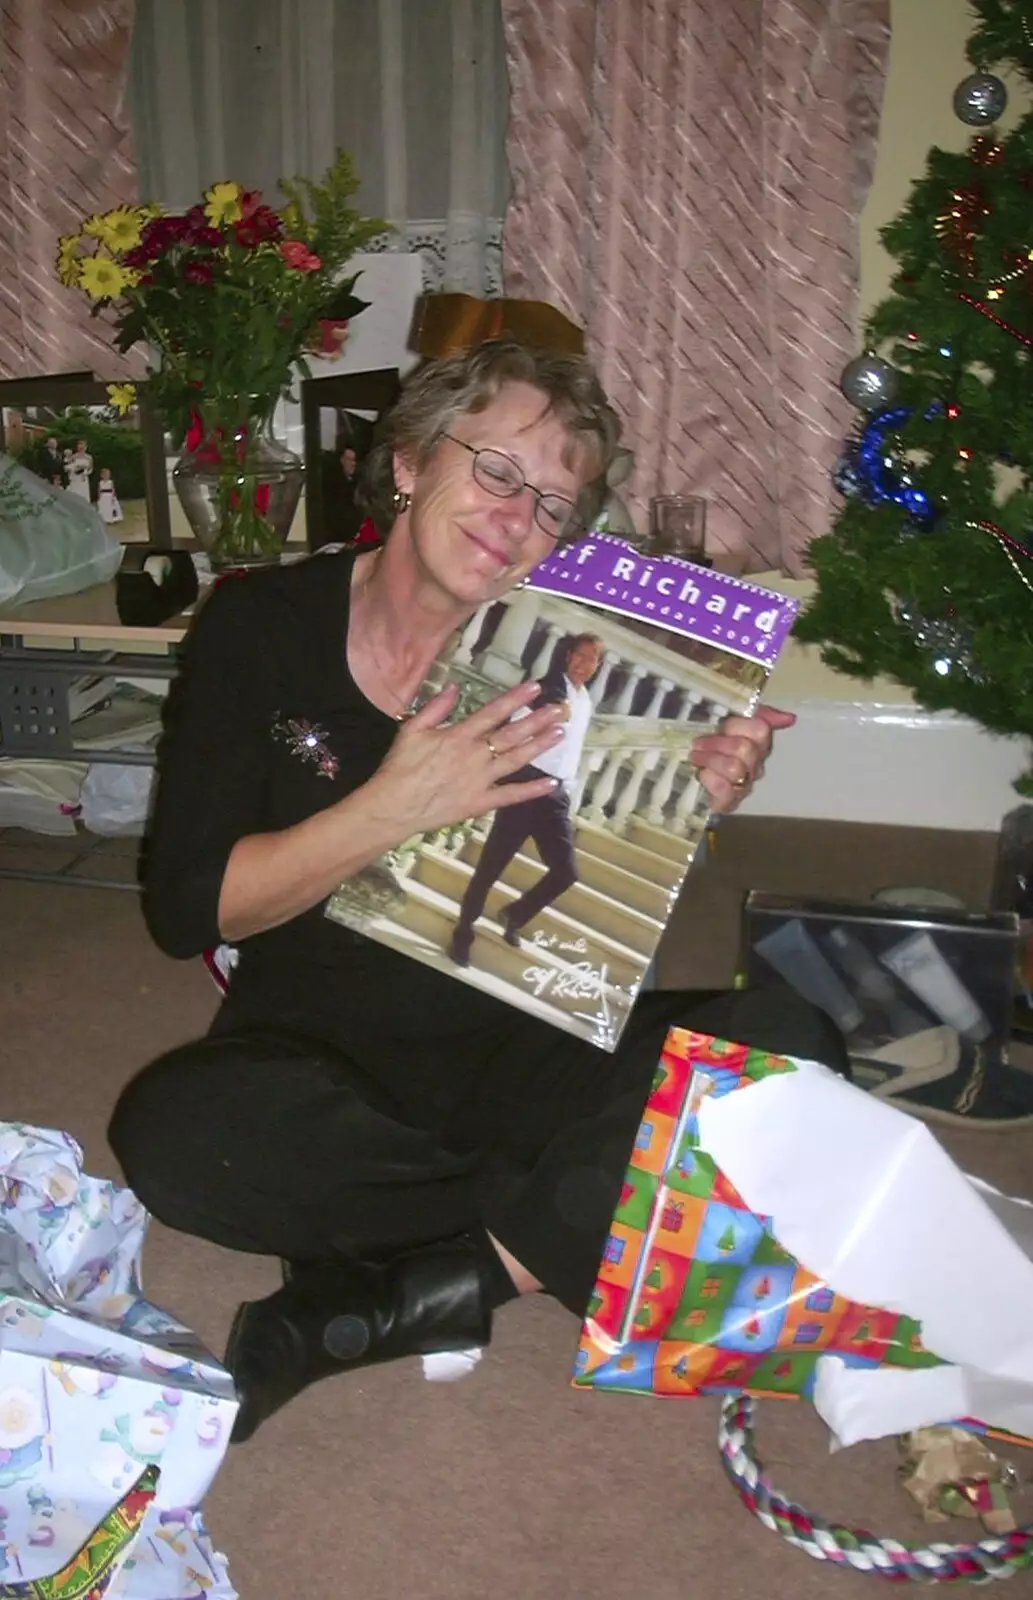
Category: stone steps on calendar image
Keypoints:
(587, 952)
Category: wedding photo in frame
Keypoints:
(339, 414)
(66, 429)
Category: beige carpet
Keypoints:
(507, 1484)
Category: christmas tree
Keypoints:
(927, 574)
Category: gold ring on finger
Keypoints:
(740, 783)
(492, 750)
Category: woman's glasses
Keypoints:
(501, 476)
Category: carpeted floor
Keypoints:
(507, 1484)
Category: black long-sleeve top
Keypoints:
(265, 669)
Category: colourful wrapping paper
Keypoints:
(113, 1417)
(695, 1295)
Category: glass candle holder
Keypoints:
(678, 526)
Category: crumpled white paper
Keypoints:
(865, 1197)
(446, 1366)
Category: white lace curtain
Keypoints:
(416, 90)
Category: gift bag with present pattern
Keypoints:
(695, 1294)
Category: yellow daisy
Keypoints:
(93, 227)
(120, 229)
(68, 260)
(122, 397)
(223, 203)
(101, 277)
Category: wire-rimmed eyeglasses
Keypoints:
(503, 477)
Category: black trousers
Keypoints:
(282, 1145)
(548, 822)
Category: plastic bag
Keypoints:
(51, 542)
(114, 799)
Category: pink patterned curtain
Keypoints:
(687, 181)
(64, 152)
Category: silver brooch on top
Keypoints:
(307, 741)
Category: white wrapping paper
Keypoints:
(867, 1199)
(96, 1383)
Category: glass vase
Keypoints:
(239, 487)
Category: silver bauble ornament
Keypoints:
(869, 382)
(980, 99)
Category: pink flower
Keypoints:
(297, 254)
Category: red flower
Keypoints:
(195, 437)
(197, 272)
(263, 494)
(367, 533)
(198, 230)
(247, 234)
(265, 218)
(297, 254)
(160, 234)
(250, 202)
(330, 337)
(195, 432)
(261, 226)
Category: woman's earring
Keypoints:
(401, 501)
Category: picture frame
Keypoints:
(338, 415)
(48, 415)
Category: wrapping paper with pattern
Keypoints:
(695, 1295)
(113, 1418)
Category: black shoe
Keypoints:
(944, 1079)
(509, 933)
(354, 1314)
(461, 945)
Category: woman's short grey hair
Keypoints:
(440, 392)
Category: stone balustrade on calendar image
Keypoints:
(636, 756)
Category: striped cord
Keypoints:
(978, 1562)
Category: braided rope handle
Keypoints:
(856, 1547)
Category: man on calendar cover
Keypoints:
(547, 820)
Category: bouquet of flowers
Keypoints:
(229, 296)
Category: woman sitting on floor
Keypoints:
(416, 1151)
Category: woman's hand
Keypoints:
(731, 760)
(435, 775)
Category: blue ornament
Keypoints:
(880, 480)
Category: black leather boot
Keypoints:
(354, 1314)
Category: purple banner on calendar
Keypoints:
(712, 607)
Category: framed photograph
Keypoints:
(338, 417)
(66, 429)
